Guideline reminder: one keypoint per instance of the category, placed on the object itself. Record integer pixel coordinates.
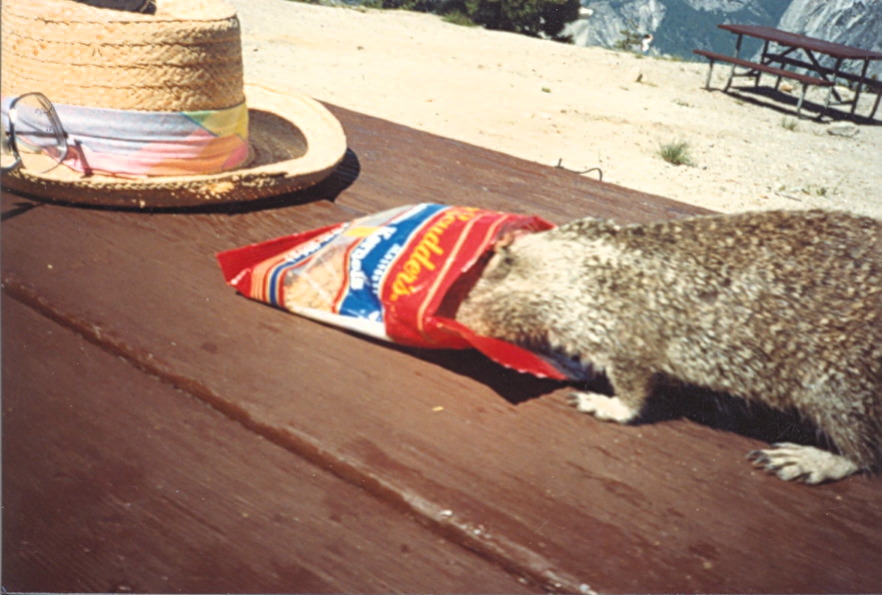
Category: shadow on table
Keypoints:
(672, 401)
(512, 386)
(728, 413)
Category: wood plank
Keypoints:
(561, 498)
(780, 72)
(115, 481)
(415, 167)
(797, 40)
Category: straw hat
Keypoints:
(186, 58)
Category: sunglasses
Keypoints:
(33, 137)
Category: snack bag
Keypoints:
(397, 275)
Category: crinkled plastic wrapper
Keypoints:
(398, 275)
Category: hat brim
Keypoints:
(295, 142)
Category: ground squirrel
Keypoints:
(778, 307)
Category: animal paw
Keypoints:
(602, 407)
(807, 464)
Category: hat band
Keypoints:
(147, 143)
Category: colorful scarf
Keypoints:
(142, 143)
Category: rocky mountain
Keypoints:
(678, 26)
(852, 22)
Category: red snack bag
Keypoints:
(396, 275)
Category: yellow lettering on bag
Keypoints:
(422, 257)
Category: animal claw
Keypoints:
(757, 457)
(806, 464)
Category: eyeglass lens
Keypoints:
(37, 133)
(8, 159)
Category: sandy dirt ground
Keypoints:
(583, 107)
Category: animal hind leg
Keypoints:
(808, 464)
(841, 425)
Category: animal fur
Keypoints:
(782, 308)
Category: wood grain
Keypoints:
(487, 459)
(116, 481)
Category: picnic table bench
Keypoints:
(755, 71)
(782, 49)
(163, 434)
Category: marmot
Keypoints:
(778, 307)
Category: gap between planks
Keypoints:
(509, 555)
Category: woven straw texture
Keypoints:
(186, 57)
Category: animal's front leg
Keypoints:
(602, 407)
(631, 389)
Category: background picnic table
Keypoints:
(162, 433)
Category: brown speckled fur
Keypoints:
(780, 307)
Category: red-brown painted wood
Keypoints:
(487, 459)
(114, 481)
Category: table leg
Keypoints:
(737, 52)
(710, 69)
(819, 68)
(833, 92)
(764, 59)
(801, 101)
(860, 86)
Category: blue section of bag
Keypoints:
(371, 258)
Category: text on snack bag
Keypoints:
(426, 253)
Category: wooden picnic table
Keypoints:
(783, 47)
(163, 434)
